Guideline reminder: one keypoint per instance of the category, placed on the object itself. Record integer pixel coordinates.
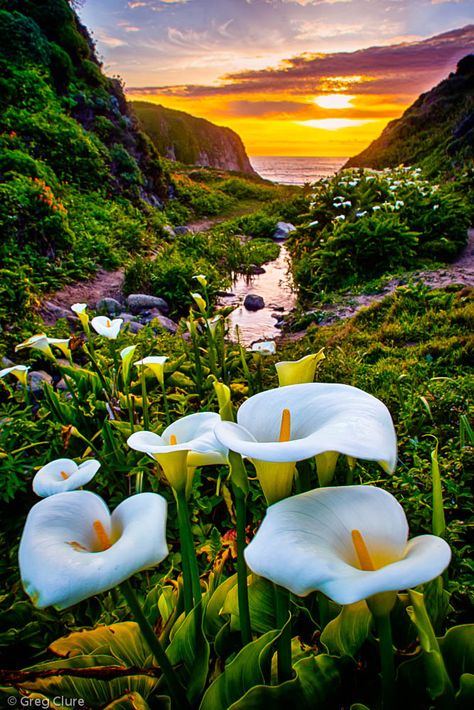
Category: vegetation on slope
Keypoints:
(194, 141)
(436, 132)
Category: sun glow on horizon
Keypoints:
(334, 101)
(333, 124)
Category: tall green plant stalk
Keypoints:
(175, 687)
(165, 402)
(242, 589)
(282, 604)
(146, 415)
(187, 550)
(387, 665)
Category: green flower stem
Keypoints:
(91, 352)
(175, 687)
(165, 402)
(187, 542)
(324, 614)
(187, 585)
(282, 604)
(303, 481)
(387, 666)
(146, 417)
(242, 589)
(129, 407)
(139, 482)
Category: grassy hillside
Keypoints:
(436, 132)
(79, 182)
(194, 141)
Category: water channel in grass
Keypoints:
(275, 286)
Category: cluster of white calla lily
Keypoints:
(349, 543)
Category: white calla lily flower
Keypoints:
(126, 356)
(73, 548)
(201, 279)
(62, 344)
(351, 543)
(63, 475)
(200, 302)
(80, 310)
(296, 372)
(37, 342)
(18, 371)
(296, 422)
(106, 327)
(155, 363)
(188, 442)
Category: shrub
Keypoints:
(21, 40)
(170, 276)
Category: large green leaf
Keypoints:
(437, 679)
(261, 605)
(250, 667)
(213, 618)
(316, 685)
(189, 649)
(465, 695)
(124, 641)
(457, 647)
(345, 634)
(95, 692)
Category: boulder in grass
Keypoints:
(252, 302)
(111, 305)
(139, 302)
(283, 230)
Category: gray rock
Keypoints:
(5, 362)
(111, 305)
(56, 312)
(168, 229)
(181, 230)
(126, 317)
(283, 229)
(167, 324)
(134, 327)
(139, 302)
(37, 379)
(252, 302)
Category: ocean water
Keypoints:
(295, 170)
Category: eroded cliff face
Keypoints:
(436, 132)
(193, 141)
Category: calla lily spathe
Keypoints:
(73, 548)
(155, 363)
(305, 543)
(37, 342)
(80, 310)
(126, 355)
(321, 418)
(296, 372)
(106, 327)
(18, 371)
(187, 443)
(63, 475)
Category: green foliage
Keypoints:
(21, 40)
(258, 224)
(361, 225)
(203, 200)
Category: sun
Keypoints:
(335, 101)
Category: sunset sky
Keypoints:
(292, 77)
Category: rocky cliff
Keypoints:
(436, 132)
(193, 141)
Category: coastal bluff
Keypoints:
(190, 140)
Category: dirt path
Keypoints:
(105, 284)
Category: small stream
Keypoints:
(276, 288)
